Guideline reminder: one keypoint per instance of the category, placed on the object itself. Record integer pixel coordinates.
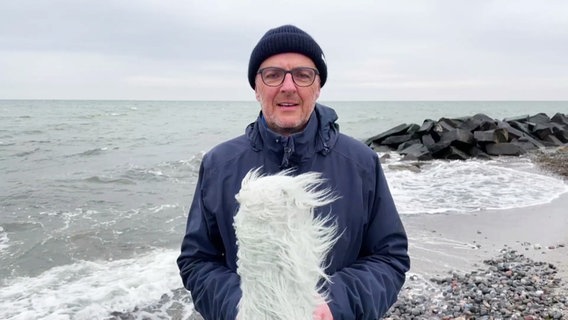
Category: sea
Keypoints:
(94, 195)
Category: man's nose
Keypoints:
(288, 83)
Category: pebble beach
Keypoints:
(500, 264)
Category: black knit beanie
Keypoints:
(287, 38)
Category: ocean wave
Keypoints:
(195, 161)
(16, 227)
(192, 164)
(4, 240)
(67, 218)
(26, 153)
(32, 132)
(99, 179)
(144, 287)
(162, 207)
(467, 186)
(144, 174)
(38, 141)
(91, 152)
(175, 171)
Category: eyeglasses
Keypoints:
(302, 76)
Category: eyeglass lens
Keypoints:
(275, 76)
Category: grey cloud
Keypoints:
(415, 48)
(116, 28)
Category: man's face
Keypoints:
(287, 107)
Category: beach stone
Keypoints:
(416, 152)
(531, 293)
(493, 136)
(520, 118)
(458, 137)
(428, 140)
(513, 130)
(543, 130)
(400, 129)
(447, 124)
(562, 135)
(454, 153)
(504, 149)
(526, 144)
(427, 126)
(560, 119)
(540, 118)
(552, 140)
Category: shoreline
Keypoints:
(460, 241)
(444, 244)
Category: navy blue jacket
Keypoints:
(369, 261)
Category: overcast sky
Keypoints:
(199, 50)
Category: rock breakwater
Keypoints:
(478, 136)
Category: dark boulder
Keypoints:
(525, 143)
(479, 121)
(395, 141)
(552, 141)
(491, 136)
(438, 149)
(452, 153)
(459, 138)
(428, 140)
(522, 118)
(560, 118)
(407, 144)
(542, 130)
(504, 149)
(416, 152)
(476, 152)
(539, 118)
(517, 134)
(400, 129)
(521, 126)
(427, 126)
(483, 117)
(446, 124)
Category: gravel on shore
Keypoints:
(552, 160)
(510, 286)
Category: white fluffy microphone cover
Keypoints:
(282, 245)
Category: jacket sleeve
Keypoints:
(214, 288)
(370, 286)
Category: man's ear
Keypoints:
(257, 94)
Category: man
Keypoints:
(368, 263)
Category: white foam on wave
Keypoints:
(162, 207)
(93, 290)
(472, 185)
(68, 218)
(4, 240)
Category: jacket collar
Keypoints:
(319, 135)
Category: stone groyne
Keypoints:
(478, 136)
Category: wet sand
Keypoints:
(442, 243)
(438, 243)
